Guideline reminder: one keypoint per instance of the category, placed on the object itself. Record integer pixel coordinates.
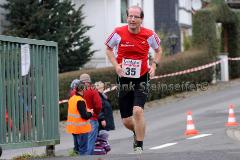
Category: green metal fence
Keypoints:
(29, 112)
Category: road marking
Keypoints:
(163, 146)
(199, 136)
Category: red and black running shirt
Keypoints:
(133, 46)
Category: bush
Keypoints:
(186, 42)
(169, 64)
(204, 32)
(187, 82)
(164, 36)
(65, 79)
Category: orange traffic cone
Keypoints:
(190, 131)
(231, 116)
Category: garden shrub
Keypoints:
(169, 64)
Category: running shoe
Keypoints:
(138, 150)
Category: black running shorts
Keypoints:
(132, 92)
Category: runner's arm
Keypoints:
(157, 56)
(155, 61)
(112, 59)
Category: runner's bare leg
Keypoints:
(139, 123)
(128, 123)
(136, 123)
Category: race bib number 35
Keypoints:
(131, 68)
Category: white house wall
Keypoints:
(185, 18)
(104, 15)
(185, 4)
(96, 14)
(148, 7)
(185, 15)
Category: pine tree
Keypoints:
(54, 21)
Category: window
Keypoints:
(124, 6)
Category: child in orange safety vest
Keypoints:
(78, 123)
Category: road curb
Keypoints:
(234, 133)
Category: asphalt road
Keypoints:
(166, 124)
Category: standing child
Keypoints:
(102, 145)
(105, 117)
(78, 123)
(106, 122)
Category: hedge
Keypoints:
(170, 64)
(65, 79)
(204, 32)
(206, 46)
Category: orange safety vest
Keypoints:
(76, 124)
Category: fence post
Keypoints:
(214, 76)
(28, 98)
(224, 68)
(50, 150)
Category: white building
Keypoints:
(174, 17)
(104, 16)
(185, 19)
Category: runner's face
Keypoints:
(133, 19)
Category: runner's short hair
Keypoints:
(141, 10)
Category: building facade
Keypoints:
(174, 17)
(104, 16)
